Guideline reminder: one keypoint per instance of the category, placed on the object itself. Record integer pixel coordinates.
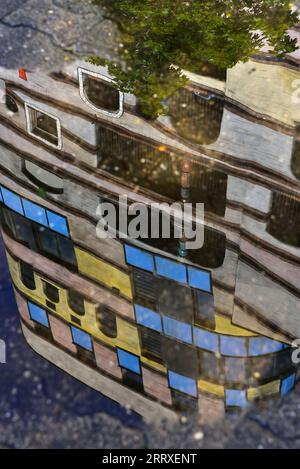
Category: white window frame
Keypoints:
(81, 72)
(28, 108)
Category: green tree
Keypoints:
(159, 38)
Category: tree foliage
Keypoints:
(159, 38)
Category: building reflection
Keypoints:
(146, 322)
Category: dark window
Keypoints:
(101, 94)
(196, 115)
(175, 300)
(76, 320)
(85, 356)
(66, 250)
(284, 222)
(158, 170)
(76, 302)
(180, 358)
(44, 126)
(107, 321)
(50, 305)
(38, 238)
(145, 288)
(132, 380)
(51, 292)
(205, 309)
(43, 331)
(296, 154)
(184, 404)
(47, 242)
(27, 275)
(210, 367)
(151, 343)
(235, 371)
(11, 103)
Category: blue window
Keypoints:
(1, 198)
(58, 223)
(171, 269)
(38, 314)
(177, 329)
(287, 384)
(35, 212)
(206, 340)
(12, 200)
(148, 318)
(182, 383)
(263, 345)
(81, 338)
(233, 346)
(236, 398)
(129, 361)
(139, 258)
(199, 279)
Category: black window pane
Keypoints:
(132, 380)
(44, 126)
(205, 309)
(8, 223)
(101, 94)
(145, 288)
(107, 321)
(180, 358)
(183, 403)
(196, 117)
(51, 292)
(284, 223)
(210, 367)
(27, 275)
(76, 302)
(11, 103)
(66, 251)
(175, 300)
(151, 343)
(47, 242)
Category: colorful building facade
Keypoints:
(147, 322)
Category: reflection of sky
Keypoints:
(31, 386)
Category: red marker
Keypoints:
(22, 74)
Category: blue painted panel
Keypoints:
(236, 398)
(263, 345)
(206, 340)
(58, 223)
(199, 279)
(171, 269)
(233, 346)
(38, 314)
(182, 383)
(148, 318)
(35, 212)
(287, 384)
(81, 338)
(177, 329)
(12, 200)
(139, 258)
(129, 361)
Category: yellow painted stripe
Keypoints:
(225, 326)
(268, 389)
(211, 388)
(104, 272)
